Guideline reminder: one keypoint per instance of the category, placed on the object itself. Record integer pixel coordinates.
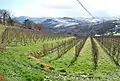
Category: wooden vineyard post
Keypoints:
(3, 41)
(64, 47)
(94, 52)
(118, 56)
(52, 46)
(118, 52)
(102, 39)
(58, 49)
(43, 49)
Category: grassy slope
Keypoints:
(15, 65)
(107, 70)
(82, 70)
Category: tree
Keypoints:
(103, 28)
(27, 23)
(5, 17)
(0, 16)
(32, 25)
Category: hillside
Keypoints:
(32, 55)
(18, 64)
(78, 26)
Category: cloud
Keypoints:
(103, 7)
(59, 8)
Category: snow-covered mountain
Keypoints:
(54, 22)
(37, 20)
(65, 24)
(60, 22)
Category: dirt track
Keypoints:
(2, 78)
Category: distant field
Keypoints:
(58, 59)
(117, 34)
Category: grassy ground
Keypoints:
(107, 70)
(15, 65)
(83, 68)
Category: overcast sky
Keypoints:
(61, 8)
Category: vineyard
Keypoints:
(30, 55)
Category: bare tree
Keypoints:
(0, 16)
(10, 21)
(32, 25)
(5, 17)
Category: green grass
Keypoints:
(107, 70)
(15, 65)
(83, 68)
